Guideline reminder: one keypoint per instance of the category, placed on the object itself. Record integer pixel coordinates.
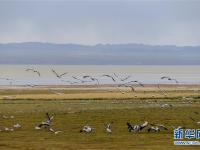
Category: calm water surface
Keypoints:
(145, 74)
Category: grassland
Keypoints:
(75, 107)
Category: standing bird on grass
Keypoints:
(136, 128)
(87, 129)
(17, 126)
(46, 123)
(109, 127)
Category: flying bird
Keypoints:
(169, 78)
(35, 71)
(91, 78)
(8, 79)
(135, 81)
(70, 82)
(58, 75)
(109, 76)
(30, 85)
(122, 79)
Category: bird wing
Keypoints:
(86, 77)
(43, 124)
(175, 80)
(29, 69)
(116, 75)
(63, 74)
(37, 73)
(126, 78)
(48, 117)
(105, 75)
(51, 129)
(132, 88)
(129, 125)
(140, 83)
(54, 72)
(162, 126)
(95, 79)
(165, 77)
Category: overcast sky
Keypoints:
(172, 22)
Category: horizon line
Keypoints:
(128, 43)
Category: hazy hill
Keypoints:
(115, 54)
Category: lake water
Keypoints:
(145, 74)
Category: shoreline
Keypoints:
(98, 86)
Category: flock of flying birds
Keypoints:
(116, 79)
(150, 127)
(87, 78)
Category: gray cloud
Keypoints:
(87, 22)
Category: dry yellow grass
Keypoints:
(77, 107)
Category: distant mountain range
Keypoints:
(100, 54)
